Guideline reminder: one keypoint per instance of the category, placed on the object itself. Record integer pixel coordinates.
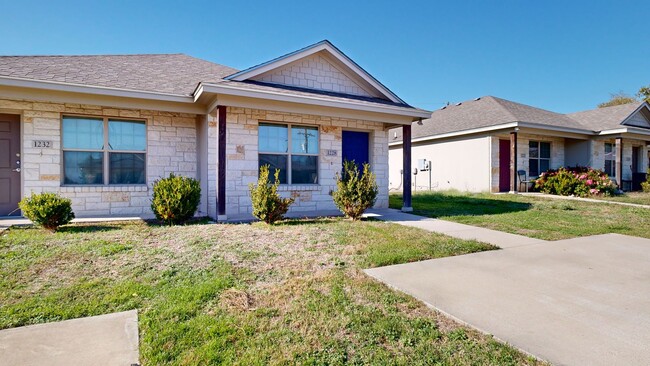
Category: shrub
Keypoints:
(576, 181)
(48, 210)
(268, 206)
(356, 192)
(645, 186)
(175, 199)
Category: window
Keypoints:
(292, 149)
(103, 151)
(610, 158)
(539, 157)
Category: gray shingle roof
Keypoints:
(164, 73)
(491, 111)
(605, 118)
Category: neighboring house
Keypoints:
(101, 129)
(471, 145)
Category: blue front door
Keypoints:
(356, 146)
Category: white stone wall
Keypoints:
(242, 159)
(313, 72)
(171, 147)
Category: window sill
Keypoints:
(299, 187)
(103, 188)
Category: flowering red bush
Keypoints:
(576, 181)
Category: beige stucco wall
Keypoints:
(171, 147)
(598, 152)
(456, 164)
(242, 158)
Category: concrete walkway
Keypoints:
(582, 301)
(592, 200)
(453, 229)
(110, 340)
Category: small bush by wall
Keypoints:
(268, 206)
(48, 210)
(576, 181)
(645, 186)
(356, 191)
(175, 199)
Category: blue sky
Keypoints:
(559, 55)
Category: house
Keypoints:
(101, 129)
(470, 146)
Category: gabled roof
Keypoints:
(323, 46)
(177, 74)
(486, 112)
(185, 79)
(609, 117)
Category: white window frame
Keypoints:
(289, 154)
(613, 159)
(105, 151)
(539, 157)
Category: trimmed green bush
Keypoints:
(645, 186)
(48, 210)
(175, 199)
(356, 192)
(576, 181)
(268, 206)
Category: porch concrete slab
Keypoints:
(582, 301)
(110, 339)
(453, 229)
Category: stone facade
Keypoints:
(557, 153)
(242, 158)
(313, 72)
(171, 147)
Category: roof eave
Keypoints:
(92, 89)
(414, 113)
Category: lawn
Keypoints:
(537, 217)
(640, 198)
(210, 294)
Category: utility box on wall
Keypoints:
(424, 165)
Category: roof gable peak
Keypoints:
(326, 69)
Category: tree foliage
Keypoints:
(619, 98)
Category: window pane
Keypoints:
(275, 162)
(609, 168)
(608, 148)
(83, 167)
(273, 138)
(127, 135)
(83, 133)
(545, 150)
(544, 165)
(304, 169)
(304, 140)
(533, 168)
(533, 151)
(127, 168)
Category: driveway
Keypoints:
(583, 301)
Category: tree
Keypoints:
(619, 99)
(644, 93)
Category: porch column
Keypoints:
(513, 162)
(619, 162)
(406, 168)
(221, 163)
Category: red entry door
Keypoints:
(504, 165)
(9, 164)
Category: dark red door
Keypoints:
(504, 165)
(9, 164)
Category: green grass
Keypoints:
(537, 217)
(293, 293)
(640, 198)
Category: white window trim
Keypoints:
(289, 154)
(613, 159)
(539, 156)
(105, 151)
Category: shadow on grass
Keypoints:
(88, 228)
(441, 205)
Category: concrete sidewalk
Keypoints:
(109, 340)
(453, 229)
(581, 301)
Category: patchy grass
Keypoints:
(640, 198)
(537, 217)
(243, 294)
